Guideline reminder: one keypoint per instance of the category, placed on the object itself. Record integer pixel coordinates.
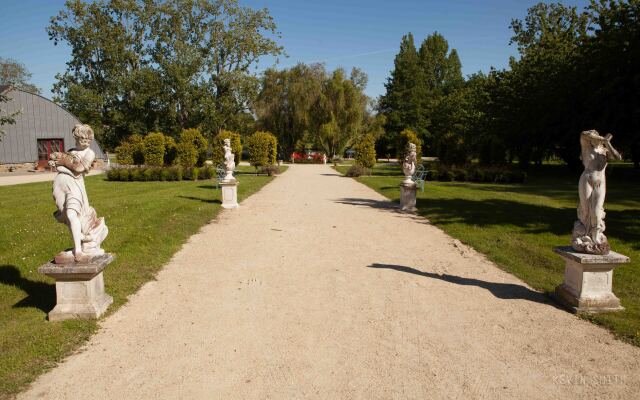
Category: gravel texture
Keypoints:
(318, 288)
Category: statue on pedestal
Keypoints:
(588, 231)
(69, 193)
(409, 163)
(229, 160)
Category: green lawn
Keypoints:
(148, 222)
(518, 225)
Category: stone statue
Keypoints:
(588, 232)
(229, 160)
(73, 209)
(409, 163)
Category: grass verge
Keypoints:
(518, 225)
(148, 222)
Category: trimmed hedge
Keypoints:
(151, 174)
(475, 174)
(195, 138)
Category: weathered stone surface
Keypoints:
(79, 288)
(408, 196)
(229, 194)
(588, 231)
(588, 281)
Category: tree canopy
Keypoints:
(140, 66)
(16, 74)
(305, 103)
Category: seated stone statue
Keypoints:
(69, 193)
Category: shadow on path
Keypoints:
(40, 295)
(384, 205)
(506, 291)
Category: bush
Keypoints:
(135, 174)
(218, 143)
(123, 174)
(113, 174)
(170, 151)
(207, 172)
(366, 151)
(270, 170)
(358, 170)
(191, 174)
(131, 151)
(194, 137)
(404, 138)
(187, 154)
(452, 149)
(153, 146)
(263, 149)
(175, 173)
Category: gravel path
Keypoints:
(317, 288)
(7, 179)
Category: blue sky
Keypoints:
(347, 33)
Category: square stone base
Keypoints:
(588, 281)
(79, 289)
(229, 194)
(408, 197)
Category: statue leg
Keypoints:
(585, 191)
(597, 213)
(76, 231)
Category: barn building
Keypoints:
(41, 128)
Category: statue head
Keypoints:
(411, 148)
(227, 142)
(83, 135)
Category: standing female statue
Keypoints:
(73, 209)
(409, 163)
(588, 231)
(229, 159)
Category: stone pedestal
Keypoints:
(408, 196)
(229, 193)
(588, 279)
(79, 288)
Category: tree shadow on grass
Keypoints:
(505, 291)
(527, 217)
(209, 201)
(40, 295)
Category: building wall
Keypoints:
(40, 119)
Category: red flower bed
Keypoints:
(304, 158)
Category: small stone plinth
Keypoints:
(588, 280)
(79, 288)
(408, 196)
(229, 193)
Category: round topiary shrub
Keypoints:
(366, 151)
(263, 149)
(154, 149)
(197, 140)
(131, 151)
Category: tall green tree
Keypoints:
(5, 117)
(285, 103)
(15, 74)
(405, 90)
(144, 65)
(340, 111)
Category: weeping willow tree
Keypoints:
(307, 104)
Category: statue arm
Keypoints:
(612, 153)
